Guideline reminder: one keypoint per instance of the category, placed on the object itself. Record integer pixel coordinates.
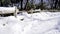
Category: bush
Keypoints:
(30, 6)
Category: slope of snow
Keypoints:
(36, 23)
(45, 15)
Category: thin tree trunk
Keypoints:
(56, 4)
(41, 4)
(21, 4)
(32, 1)
(26, 4)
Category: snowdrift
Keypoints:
(37, 23)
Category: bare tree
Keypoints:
(26, 4)
(21, 4)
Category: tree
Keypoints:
(41, 4)
(5, 2)
(29, 4)
(54, 4)
(59, 3)
(27, 1)
(21, 4)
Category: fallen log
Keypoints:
(8, 10)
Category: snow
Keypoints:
(37, 10)
(4, 10)
(36, 23)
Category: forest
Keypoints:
(31, 4)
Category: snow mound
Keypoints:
(36, 23)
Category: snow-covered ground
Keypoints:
(36, 23)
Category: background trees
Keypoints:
(32, 4)
(4, 2)
(55, 4)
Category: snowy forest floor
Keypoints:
(36, 23)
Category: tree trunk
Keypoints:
(21, 4)
(32, 1)
(56, 1)
(26, 4)
(41, 4)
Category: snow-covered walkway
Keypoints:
(36, 23)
